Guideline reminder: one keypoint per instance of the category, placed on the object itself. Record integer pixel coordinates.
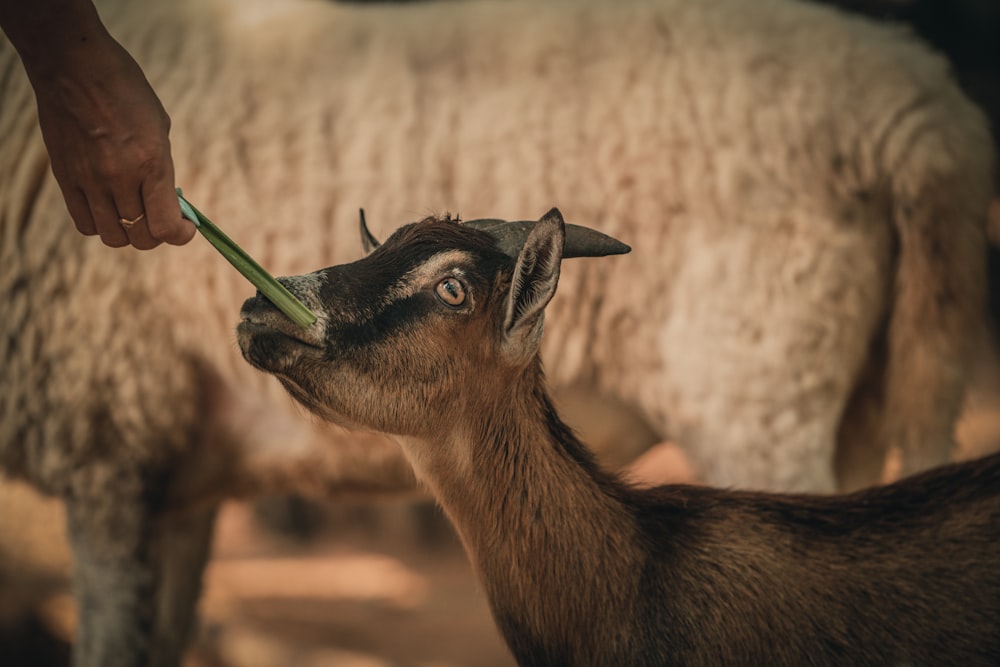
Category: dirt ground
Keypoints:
(374, 587)
(383, 585)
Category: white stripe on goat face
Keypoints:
(426, 274)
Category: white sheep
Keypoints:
(803, 190)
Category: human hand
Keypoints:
(107, 137)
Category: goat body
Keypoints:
(580, 568)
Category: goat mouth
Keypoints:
(272, 348)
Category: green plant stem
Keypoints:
(275, 292)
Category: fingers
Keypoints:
(120, 221)
(105, 215)
(79, 210)
(151, 214)
(163, 213)
(132, 218)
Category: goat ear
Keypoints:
(368, 241)
(534, 282)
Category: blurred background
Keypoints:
(385, 583)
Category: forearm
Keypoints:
(53, 36)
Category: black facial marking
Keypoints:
(356, 293)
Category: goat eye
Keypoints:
(450, 291)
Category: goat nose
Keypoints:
(255, 304)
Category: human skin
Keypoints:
(104, 127)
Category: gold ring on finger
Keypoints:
(127, 224)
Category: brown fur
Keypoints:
(583, 569)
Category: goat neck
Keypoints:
(516, 483)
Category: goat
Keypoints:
(809, 188)
(434, 337)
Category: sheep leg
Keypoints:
(114, 574)
(861, 448)
(183, 546)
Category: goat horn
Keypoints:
(580, 241)
(368, 240)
